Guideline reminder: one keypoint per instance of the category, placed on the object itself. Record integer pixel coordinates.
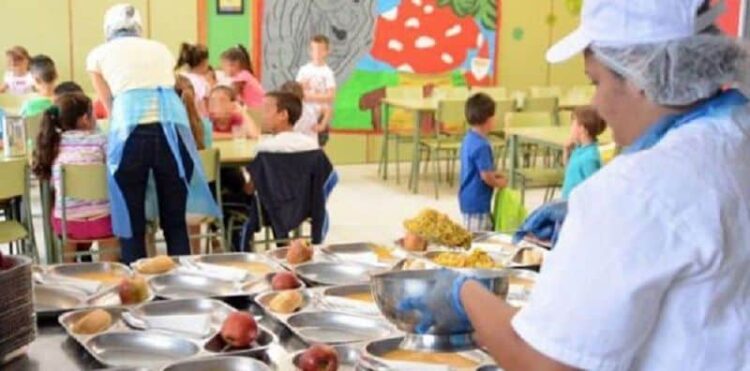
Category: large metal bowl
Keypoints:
(391, 288)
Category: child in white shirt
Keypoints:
(17, 79)
(308, 122)
(319, 83)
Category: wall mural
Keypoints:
(379, 43)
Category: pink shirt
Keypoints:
(252, 92)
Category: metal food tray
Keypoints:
(226, 363)
(240, 257)
(314, 300)
(374, 350)
(338, 328)
(136, 264)
(348, 356)
(121, 345)
(175, 286)
(278, 255)
(517, 294)
(336, 273)
(361, 252)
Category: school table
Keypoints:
(235, 152)
(550, 136)
(421, 108)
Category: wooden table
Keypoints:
(421, 108)
(550, 136)
(235, 152)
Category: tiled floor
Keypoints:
(365, 208)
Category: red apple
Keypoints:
(299, 251)
(319, 357)
(239, 330)
(132, 290)
(285, 281)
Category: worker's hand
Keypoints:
(544, 223)
(440, 310)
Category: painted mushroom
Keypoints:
(420, 37)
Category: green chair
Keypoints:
(81, 182)
(545, 91)
(445, 145)
(32, 125)
(450, 92)
(211, 162)
(496, 92)
(17, 230)
(397, 135)
(531, 176)
(497, 136)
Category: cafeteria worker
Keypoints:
(149, 133)
(650, 271)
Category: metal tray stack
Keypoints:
(53, 297)
(17, 324)
(123, 344)
(373, 351)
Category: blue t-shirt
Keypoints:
(584, 162)
(474, 195)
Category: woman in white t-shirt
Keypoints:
(17, 79)
(149, 134)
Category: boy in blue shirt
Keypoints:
(582, 151)
(478, 175)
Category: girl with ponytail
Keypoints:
(236, 64)
(193, 64)
(68, 137)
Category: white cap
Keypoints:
(121, 17)
(620, 23)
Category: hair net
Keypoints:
(680, 72)
(122, 19)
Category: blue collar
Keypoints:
(722, 102)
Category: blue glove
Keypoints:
(440, 310)
(544, 223)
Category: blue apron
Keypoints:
(128, 108)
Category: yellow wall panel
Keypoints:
(571, 72)
(174, 22)
(524, 39)
(88, 31)
(42, 26)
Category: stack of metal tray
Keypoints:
(53, 296)
(125, 345)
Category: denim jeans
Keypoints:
(146, 149)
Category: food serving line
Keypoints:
(178, 326)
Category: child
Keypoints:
(68, 137)
(44, 73)
(200, 128)
(308, 122)
(582, 151)
(17, 79)
(194, 59)
(226, 113)
(66, 87)
(280, 111)
(319, 83)
(235, 62)
(478, 176)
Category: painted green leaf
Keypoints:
(464, 8)
(444, 2)
(518, 34)
(484, 10)
(487, 14)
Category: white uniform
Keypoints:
(652, 269)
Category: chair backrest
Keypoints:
(256, 114)
(12, 102)
(210, 162)
(503, 107)
(528, 119)
(404, 92)
(450, 92)
(564, 118)
(544, 104)
(14, 178)
(496, 92)
(451, 116)
(84, 182)
(545, 91)
(32, 125)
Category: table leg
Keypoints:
(48, 236)
(513, 159)
(415, 159)
(384, 148)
